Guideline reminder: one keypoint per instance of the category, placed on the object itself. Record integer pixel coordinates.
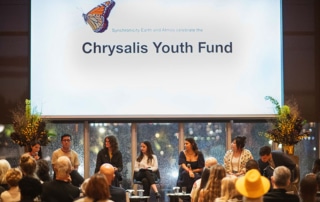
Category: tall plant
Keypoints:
(287, 127)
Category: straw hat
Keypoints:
(252, 185)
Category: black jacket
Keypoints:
(280, 195)
(103, 157)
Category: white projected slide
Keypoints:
(155, 58)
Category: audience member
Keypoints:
(211, 161)
(13, 176)
(83, 187)
(111, 154)
(308, 188)
(213, 187)
(60, 189)
(145, 167)
(316, 166)
(191, 162)
(228, 190)
(28, 165)
(280, 181)
(269, 160)
(252, 186)
(194, 195)
(236, 158)
(318, 186)
(66, 150)
(4, 167)
(30, 189)
(118, 194)
(35, 150)
(252, 164)
(97, 189)
(43, 171)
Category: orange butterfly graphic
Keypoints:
(97, 17)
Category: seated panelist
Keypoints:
(145, 167)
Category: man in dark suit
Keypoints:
(118, 194)
(280, 181)
(269, 160)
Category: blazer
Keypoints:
(103, 157)
(280, 159)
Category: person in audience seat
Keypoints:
(97, 189)
(13, 176)
(280, 181)
(4, 167)
(211, 161)
(252, 186)
(118, 194)
(60, 189)
(308, 188)
(228, 190)
(213, 187)
(30, 189)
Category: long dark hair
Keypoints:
(194, 145)
(33, 143)
(240, 141)
(113, 143)
(43, 170)
(204, 180)
(149, 152)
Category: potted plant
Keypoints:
(29, 126)
(287, 128)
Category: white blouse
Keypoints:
(143, 164)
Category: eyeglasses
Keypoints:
(66, 140)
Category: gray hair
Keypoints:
(63, 166)
(4, 167)
(281, 175)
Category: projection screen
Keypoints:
(156, 58)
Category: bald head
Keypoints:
(211, 161)
(108, 170)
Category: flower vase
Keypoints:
(288, 149)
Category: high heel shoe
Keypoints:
(158, 195)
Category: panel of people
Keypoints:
(197, 175)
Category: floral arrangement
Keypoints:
(287, 128)
(29, 126)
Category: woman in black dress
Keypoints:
(191, 162)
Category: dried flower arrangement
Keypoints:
(287, 127)
(29, 126)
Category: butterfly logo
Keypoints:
(97, 18)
